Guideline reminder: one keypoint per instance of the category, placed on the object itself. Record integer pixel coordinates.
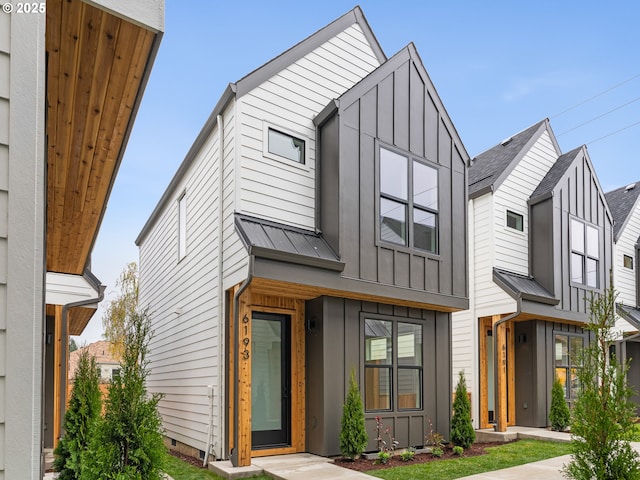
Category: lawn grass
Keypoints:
(179, 470)
(503, 456)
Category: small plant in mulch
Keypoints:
(462, 432)
(386, 443)
(458, 450)
(408, 454)
(436, 441)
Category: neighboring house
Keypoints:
(317, 225)
(540, 239)
(625, 208)
(106, 362)
(70, 83)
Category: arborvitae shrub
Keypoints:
(353, 433)
(602, 417)
(559, 415)
(128, 441)
(80, 420)
(462, 432)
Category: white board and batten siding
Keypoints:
(183, 295)
(284, 191)
(625, 278)
(512, 246)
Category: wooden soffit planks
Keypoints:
(96, 63)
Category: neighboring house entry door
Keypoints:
(270, 380)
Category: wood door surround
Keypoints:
(252, 301)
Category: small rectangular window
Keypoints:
(286, 146)
(628, 262)
(182, 227)
(515, 221)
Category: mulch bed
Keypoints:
(362, 464)
(196, 462)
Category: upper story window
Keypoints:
(627, 262)
(182, 226)
(285, 145)
(408, 201)
(515, 221)
(585, 253)
(393, 350)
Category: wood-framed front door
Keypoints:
(501, 413)
(289, 437)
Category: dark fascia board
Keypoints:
(280, 256)
(323, 278)
(225, 99)
(550, 312)
(403, 55)
(540, 199)
(306, 46)
(481, 192)
(623, 311)
(544, 126)
(326, 113)
(518, 295)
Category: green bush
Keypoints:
(462, 432)
(458, 450)
(80, 420)
(128, 441)
(353, 433)
(559, 414)
(603, 413)
(407, 455)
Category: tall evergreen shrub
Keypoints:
(559, 414)
(462, 432)
(80, 419)
(603, 413)
(128, 441)
(353, 433)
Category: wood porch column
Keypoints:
(243, 344)
(501, 400)
(57, 377)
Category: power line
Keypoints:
(599, 116)
(612, 133)
(595, 96)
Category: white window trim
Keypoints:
(182, 225)
(287, 131)
(514, 231)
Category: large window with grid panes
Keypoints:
(585, 253)
(408, 200)
(392, 365)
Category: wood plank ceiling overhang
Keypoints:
(96, 68)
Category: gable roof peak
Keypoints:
(622, 202)
(489, 169)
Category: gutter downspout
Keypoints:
(236, 357)
(221, 295)
(65, 345)
(494, 333)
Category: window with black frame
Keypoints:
(566, 355)
(393, 365)
(408, 201)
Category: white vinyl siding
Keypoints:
(512, 246)
(183, 301)
(625, 278)
(22, 239)
(290, 99)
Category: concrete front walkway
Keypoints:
(299, 466)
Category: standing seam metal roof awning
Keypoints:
(524, 286)
(630, 314)
(276, 241)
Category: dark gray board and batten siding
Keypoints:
(335, 344)
(573, 193)
(396, 106)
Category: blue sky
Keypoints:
(499, 67)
